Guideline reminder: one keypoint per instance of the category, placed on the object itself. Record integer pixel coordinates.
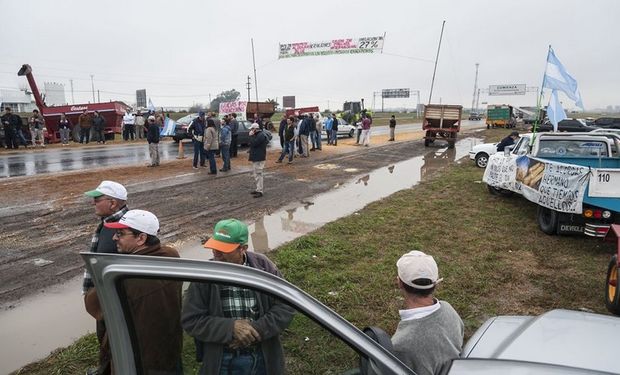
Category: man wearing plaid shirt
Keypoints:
(236, 330)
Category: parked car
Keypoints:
(180, 131)
(480, 153)
(607, 122)
(568, 125)
(557, 342)
(344, 129)
(475, 116)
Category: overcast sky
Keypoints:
(182, 51)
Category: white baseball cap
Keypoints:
(111, 189)
(416, 265)
(139, 220)
(254, 126)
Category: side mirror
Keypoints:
(508, 149)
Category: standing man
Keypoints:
(139, 125)
(289, 141)
(258, 155)
(366, 130)
(212, 144)
(236, 330)
(319, 129)
(430, 332)
(225, 139)
(234, 132)
(85, 122)
(197, 131)
(328, 129)
(155, 304)
(64, 128)
(36, 124)
(258, 120)
(392, 127)
(99, 127)
(334, 130)
(281, 129)
(304, 133)
(312, 135)
(12, 123)
(129, 121)
(152, 137)
(109, 201)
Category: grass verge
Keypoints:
(492, 256)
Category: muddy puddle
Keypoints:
(39, 324)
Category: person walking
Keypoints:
(64, 128)
(197, 130)
(236, 330)
(129, 121)
(234, 132)
(99, 127)
(85, 122)
(366, 131)
(258, 155)
(334, 130)
(211, 145)
(36, 123)
(225, 140)
(109, 200)
(289, 141)
(152, 137)
(281, 129)
(392, 127)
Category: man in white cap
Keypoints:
(430, 332)
(154, 304)
(109, 200)
(152, 137)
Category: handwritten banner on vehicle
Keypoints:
(501, 171)
(605, 183)
(557, 186)
(334, 47)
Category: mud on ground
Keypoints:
(48, 217)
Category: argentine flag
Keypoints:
(555, 112)
(557, 78)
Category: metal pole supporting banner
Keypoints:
(255, 81)
(430, 96)
(92, 84)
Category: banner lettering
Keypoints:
(333, 47)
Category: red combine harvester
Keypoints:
(112, 111)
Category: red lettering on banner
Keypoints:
(299, 47)
(342, 44)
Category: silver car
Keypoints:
(559, 342)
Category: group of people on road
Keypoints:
(237, 330)
(13, 132)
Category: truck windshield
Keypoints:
(572, 148)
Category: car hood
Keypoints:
(562, 337)
(485, 147)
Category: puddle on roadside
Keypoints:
(42, 323)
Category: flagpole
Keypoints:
(539, 100)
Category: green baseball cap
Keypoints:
(228, 235)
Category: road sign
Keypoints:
(516, 89)
(288, 101)
(395, 93)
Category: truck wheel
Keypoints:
(499, 191)
(481, 160)
(547, 220)
(612, 292)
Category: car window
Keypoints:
(521, 148)
(168, 334)
(571, 148)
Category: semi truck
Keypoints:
(500, 115)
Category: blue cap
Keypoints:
(201, 113)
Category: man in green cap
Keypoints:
(236, 330)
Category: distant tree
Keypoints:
(274, 102)
(224, 96)
(197, 107)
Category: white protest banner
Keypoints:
(333, 47)
(500, 171)
(557, 186)
(605, 183)
(237, 107)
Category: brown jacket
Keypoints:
(85, 120)
(154, 311)
(211, 139)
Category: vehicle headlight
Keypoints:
(606, 214)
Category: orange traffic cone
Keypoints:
(181, 154)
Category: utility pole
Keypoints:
(98, 97)
(477, 100)
(92, 85)
(473, 99)
(255, 81)
(430, 96)
(72, 98)
(249, 87)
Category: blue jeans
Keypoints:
(317, 134)
(334, 137)
(212, 165)
(289, 149)
(199, 152)
(313, 139)
(243, 364)
(225, 152)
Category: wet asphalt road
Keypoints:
(71, 159)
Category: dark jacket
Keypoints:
(289, 133)
(304, 127)
(64, 124)
(98, 123)
(197, 129)
(234, 126)
(282, 128)
(505, 142)
(203, 319)
(392, 123)
(335, 124)
(152, 133)
(258, 146)
(155, 309)
(12, 122)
